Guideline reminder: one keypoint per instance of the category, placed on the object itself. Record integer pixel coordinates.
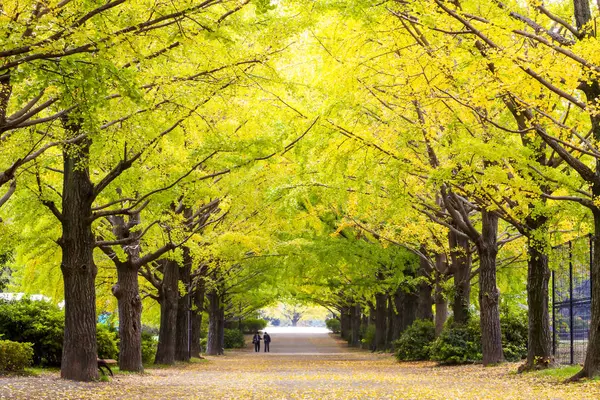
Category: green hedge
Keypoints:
(234, 339)
(334, 325)
(415, 341)
(252, 325)
(15, 356)
(149, 344)
(36, 322)
(107, 342)
(458, 344)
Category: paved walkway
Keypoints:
(305, 366)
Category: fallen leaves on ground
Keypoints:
(352, 375)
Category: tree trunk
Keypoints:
(389, 327)
(127, 293)
(441, 306)
(79, 355)
(345, 322)
(165, 353)
(409, 310)
(591, 366)
(355, 322)
(380, 320)
(425, 306)
(198, 300)
(461, 268)
(539, 349)
(213, 345)
(182, 341)
(487, 248)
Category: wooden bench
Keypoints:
(106, 363)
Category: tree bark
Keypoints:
(213, 345)
(130, 318)
(539, 349)
(441, 306)
(380, 320)
(461, 268)
(79, 355)
(182, 341)
(355, 323)
(198, 300)
(345, 322)
(425, 306)
(487, 248)
(165, 353)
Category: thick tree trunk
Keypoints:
(78, 268)
(389, 326)
(345, 322)
(487, 248)
(165, 353)
(213, 346)
(591, 366)
(461, 268)
(380, 321)
(198, 307)
(425, 306)
(539, 349)
(441, 306)
(355, 323)
(409, 310)
(182, 341)
(127, 293)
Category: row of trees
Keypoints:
(455, 143)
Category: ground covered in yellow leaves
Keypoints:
(315, 374)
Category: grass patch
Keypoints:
(560, 373)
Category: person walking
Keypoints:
(267, 340)
(256, 340)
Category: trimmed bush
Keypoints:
(458, 344)
(514, 335)
(36, 322)
(414, 343)
(15, 356)
(368, 337)
(252, 325)
(334, 325)
(107, 342)
(234, 339)
(149, 344)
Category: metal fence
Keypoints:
(571, 299)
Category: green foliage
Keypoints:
(368, 336)
(252, 325)
(415, 341)
(149, 344)
(36, 322)
(458, 344)
(334, 325)
(514, 335)
(234, 339)
(15, 356)
(107, 342)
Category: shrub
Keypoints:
(107, 342)
(15, 356)
(252, 325)
(234, 339)
(334, 325)
(149, 344)
(514, 335)
(414, 343)
(36, 322)
(457, 344)
(368, 337)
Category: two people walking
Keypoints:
(256, 341)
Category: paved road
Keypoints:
(302, 341)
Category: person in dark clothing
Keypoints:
(256, 340)
(267, 340)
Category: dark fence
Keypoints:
(571, 299)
